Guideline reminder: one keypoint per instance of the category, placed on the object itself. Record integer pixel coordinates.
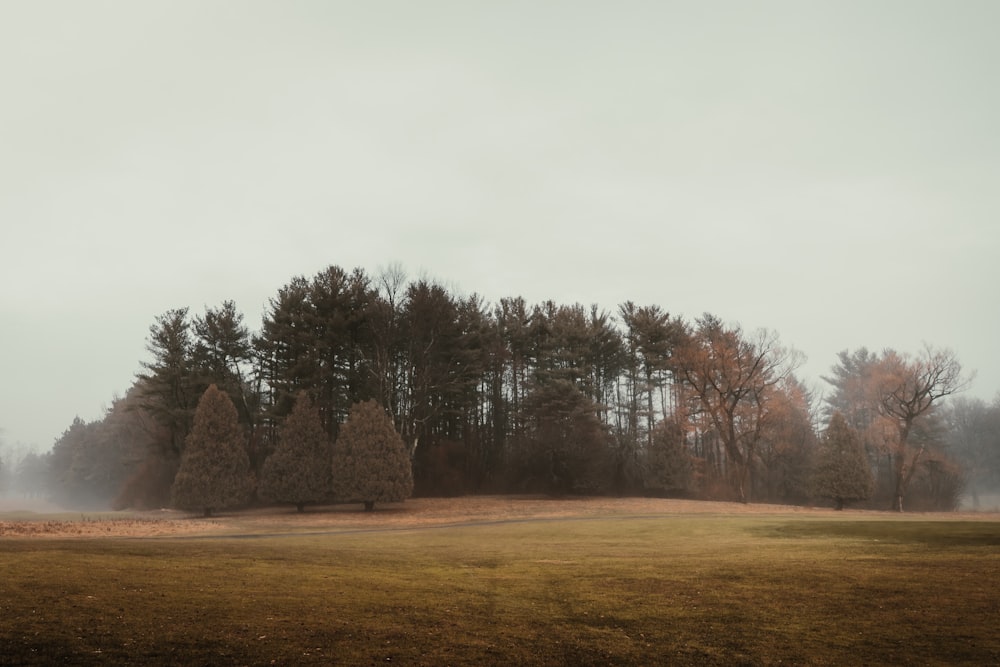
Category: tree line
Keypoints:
(549, 398)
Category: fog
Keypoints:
(825, 169)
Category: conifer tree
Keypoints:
(842, 471)
(215, 469)
(370, 461)
(298, 471)
(169, 387)
(668, 467)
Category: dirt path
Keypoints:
(415, 513)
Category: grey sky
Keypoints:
(830, 170)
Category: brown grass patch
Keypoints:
(414, 513)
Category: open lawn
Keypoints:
(506, 582)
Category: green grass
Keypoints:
(667, 590)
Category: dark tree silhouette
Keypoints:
(170, 386)
(842, 472)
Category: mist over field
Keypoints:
(440, 193)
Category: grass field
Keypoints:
(575, 589)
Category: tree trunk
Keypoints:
(301, 507)
(900, 481)
(369, 505)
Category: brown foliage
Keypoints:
(370, 461)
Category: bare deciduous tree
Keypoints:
(910, 387)
(733, 376)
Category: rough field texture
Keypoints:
(513, 581)
(412, 513)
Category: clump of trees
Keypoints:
(894, 402)
(513, 397)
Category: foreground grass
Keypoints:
(665, 590)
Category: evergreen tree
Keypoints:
(669, 468)
(316, 337)
(169, 387)
(33, 475)
(215, 468)
(298, 471)
(370, 461)
(567, 444)
(221, 353)
(842, 471)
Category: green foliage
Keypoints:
(215, 470)
(842, 471)
(370, 461)
(298, 471)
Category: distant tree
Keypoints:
(842, 472)
(445, 366)
(788, 441)
(973, 438)
(170, 386)
(649, 341)
(31, 477)
(86, 467)
(221, 354)
(733, 376)
(147, 468)
(909, 389)
(215, 469)
(568, 445)
(387, 339)
(316, 337)
(893, 400)
(669, 466)
(298, 471)
(370, 461)
(651, 337)
(855, 390)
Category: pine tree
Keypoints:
(842, 471)
(298, 471)
(169, 387)
(215, 469)
(669, 468)
(370, 461)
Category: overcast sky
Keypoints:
(829, 170)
